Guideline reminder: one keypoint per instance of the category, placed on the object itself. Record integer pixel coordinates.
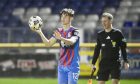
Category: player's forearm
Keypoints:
(67, 41)
(124, 53)
(45, 40)
(124, 56)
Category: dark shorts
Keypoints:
(106, 71)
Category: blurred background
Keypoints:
(18, 59)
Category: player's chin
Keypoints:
(105, 27)
(64, 23)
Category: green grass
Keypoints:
(53, 81)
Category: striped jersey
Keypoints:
(69, 54)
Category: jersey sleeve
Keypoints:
(75, 36)
(96, 50)
(122, 44)
(75, 33)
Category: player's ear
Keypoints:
(111, 21)
(71, 18)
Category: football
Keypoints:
(35, 22)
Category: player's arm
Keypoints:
(48, 42)
(69, 41)
(96, 51)
(123, 47)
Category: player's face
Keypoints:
(106, 22)
(65, 19)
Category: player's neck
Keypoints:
(66, 27)
(109, 28)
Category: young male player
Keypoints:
(67, 37)
(109, 41)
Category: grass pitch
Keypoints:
(53, 81)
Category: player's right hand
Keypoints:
(37, 31)
(126, 65)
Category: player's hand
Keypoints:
(126, 65)
(57, 35)
(37, 31)
(89, 81)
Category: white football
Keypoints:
(35, 22)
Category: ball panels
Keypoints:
(35, 22)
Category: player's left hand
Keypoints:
(57, 35)
(126, 65)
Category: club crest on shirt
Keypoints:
(113, 43)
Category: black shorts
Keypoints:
(105, 72)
